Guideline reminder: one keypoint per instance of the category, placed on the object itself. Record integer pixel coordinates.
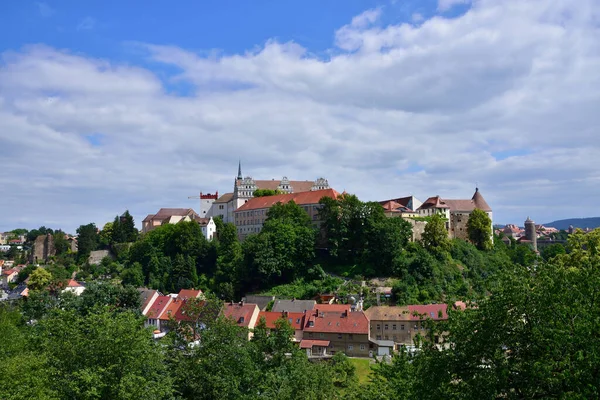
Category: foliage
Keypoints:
(87, 241)
(61, 244)
(553, 250)
(435, 235)
(479, 229)
(266, 192)
(123, 229)
(39, 279)
(34, 233)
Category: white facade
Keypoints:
(209, 229)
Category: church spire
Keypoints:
(240, 170)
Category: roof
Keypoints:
(308, 344)
(180, 314)
(294, 305)
(224, 198)
(74, 283)
(477, 201)
(202, 221)
(297, 186)
(188, 294)
(336, 322)
(332, 307)
(433, 311)
(261, 301)
(401, 201)
(9, 272)
(434, 202)
(295, 319)
(299, 198)
(171, 309)
(146, 296)
(240, 313)
(148, 218)
(387, 313)
(164, 213)
(158, 306)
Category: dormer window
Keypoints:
(241, 320)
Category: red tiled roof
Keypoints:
(9, 272)
(477, 201)
(171, 309)
(335, 322)
(295, 319)
(180, 314)
(308, 344)
(158, 306)
(434, 311)
(434, 202)
(73, 283)
(188, 294)
(299, 198)
(332, 307)
(239, 313)
(401, 201)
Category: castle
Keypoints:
(213, 205)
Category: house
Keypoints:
(295, 319)
(401, 207)
(168, 216)
(243, 314)
(74, 287)
(346, 332)
(261, 301)
(185, 294)
(250, 217)
(10, 275)
(294, 305)
(147, 297)
(401, 324)
(168, 313)
(155, 311)
(208, 226)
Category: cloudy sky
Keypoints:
(113, 105)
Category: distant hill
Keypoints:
(593, 222)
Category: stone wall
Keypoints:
(97, 256)
(43, 248)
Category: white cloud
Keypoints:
(394, 110)
(444, 5)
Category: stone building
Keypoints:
(531, 233)
(43, 249)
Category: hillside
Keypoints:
(592, 222)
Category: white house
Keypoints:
(208, 227)
(74, 287)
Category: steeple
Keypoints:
(240, 170)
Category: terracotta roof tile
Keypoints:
(171, 309)
(299, 198)
(241, 314)
(308, 344)
(224, 198)
(335, 322)
(158, 306)
(188, 294)
(295, 319)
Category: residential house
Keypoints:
(185, 294)
(168, 313)
(147, 296)
(155, 311)
(74, 287)
(346, 332)
(208, 226)
(10, 275)
(295, 319)
(293, 305)
(168, 216)
(243, 314)
(401, 324)
(250, 217)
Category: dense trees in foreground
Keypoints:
(535, 336)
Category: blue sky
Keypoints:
(107, 105)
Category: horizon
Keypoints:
(107, 106)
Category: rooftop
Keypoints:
(299, 198)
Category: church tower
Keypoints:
(530, 232)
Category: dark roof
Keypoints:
(294, 305)
(224, 198)
(146, 296)
(261, 301)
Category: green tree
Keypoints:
(479, 229)
(39, 279)
(266, 192)
(553, 250)
(435, 235)
(61, 244)
(106, 234)
(87, 241)
(128, 228)
(133, 275)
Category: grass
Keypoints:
(363, 369)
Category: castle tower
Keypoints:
(530, 232)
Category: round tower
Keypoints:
(530, 232)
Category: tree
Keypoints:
(266, 192)
(435, 235)
(61, 244)
(39, 279)
(87, 241)
(128, 228)
(479, 229)
(133, 276)
(106, 234)
(553, 250)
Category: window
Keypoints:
(321, 335)
(394, 327)
(386, 337)
(394, 338)
(350, 336)
(362, 346)
(221, 207)
(378, 327)
(310, 334)
(350, 347)
(402, 327)
(386, 327)
(339, 335)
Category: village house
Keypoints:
(10, 275)
(74, 287)
(174, 215)
(295, 319)
(243, 314)
(330, 332)
(293, 305)
(250, 217)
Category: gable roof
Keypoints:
(148, 218)
(165, 213)
(332, 307)
(158, 306)
(294, 305)
(170, 310)
(477, 201)
(74, 283)
(335, 322)
(240, 313)
(295, 319)
(299, 198)
(224, 198)
(180, 313)
(188, 294)
(433, 202)
(388, 313)
(146, 296)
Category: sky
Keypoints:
(113, 105)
